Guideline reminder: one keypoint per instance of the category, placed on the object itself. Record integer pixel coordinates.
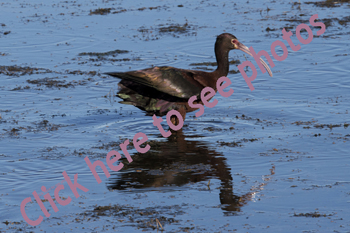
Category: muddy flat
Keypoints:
(275, 159)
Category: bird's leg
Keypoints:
(175, 120)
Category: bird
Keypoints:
(158, 90)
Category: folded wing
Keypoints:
(176, 82)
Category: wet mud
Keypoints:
(272, 159)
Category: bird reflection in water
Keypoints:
(177, 162)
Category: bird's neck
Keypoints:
(222, 60)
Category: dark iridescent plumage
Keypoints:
(157, 90)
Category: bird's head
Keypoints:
(231, 42)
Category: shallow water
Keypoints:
(273, 159)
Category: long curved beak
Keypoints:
(245, 49)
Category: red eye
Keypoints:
(234, 41)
